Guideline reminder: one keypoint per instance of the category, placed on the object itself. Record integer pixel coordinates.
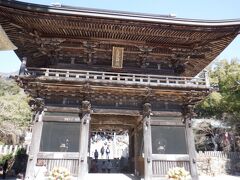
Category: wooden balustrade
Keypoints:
(68, 160)
(121, 78)
(161, 167)
(161, 163)
(70, 164)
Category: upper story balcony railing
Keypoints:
(120, 78)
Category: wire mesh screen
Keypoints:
(60, 137)
(168, 140)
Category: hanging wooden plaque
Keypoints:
(117, 57)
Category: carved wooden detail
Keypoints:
(145, 55)
(147, 110)
(85, 112)
(89, 50)
(188, 113)
(37, 106)
(148, 45)
(86, 107)
(116, 90)
(75, 53)
(86, 91)
(149, 94)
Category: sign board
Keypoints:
(117, 57)
(61, 118)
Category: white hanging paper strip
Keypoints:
(5, 43)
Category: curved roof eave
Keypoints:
(150, 19)
(143, 17)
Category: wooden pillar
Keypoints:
(136, 170)
(84, 140)
(131, 149)
(34, 149)
(147, 141)
(190, 141)
(130, 145)
(37, 106)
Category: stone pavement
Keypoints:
(221, 177)
(112, 176)
(118, 176)
(104, 176)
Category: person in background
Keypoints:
(96, 154)
(23, 67)
(102, 151)
(107, 152)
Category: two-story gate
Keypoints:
(89, 69)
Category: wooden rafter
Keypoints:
(45, 34)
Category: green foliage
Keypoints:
(14, 109)
(19, 161)
(21, 151)
(227, 100)
(211, 106)
(8, 87)
(5, 157)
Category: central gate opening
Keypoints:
(109, 151)
(111, 144)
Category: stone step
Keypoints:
(111, 176)
(118, 166)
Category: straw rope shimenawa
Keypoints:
(5, 42)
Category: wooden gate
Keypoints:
(171, 146)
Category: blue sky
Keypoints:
(201, 9)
